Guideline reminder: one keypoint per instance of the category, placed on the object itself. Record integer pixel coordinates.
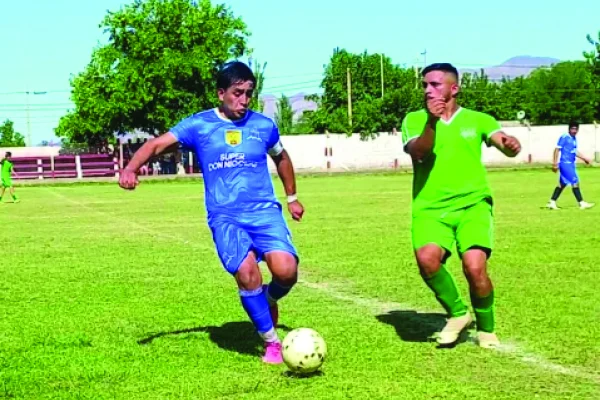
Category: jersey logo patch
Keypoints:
(233, 137)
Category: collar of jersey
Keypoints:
(216, 111)
(458, 110)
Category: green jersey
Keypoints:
(7, 167)
(453, 177)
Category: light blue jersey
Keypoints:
(568, 149)
(243, 212)
(566, 165)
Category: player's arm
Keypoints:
(507, 144)
(421, 146)
(285, 170)
(583, 158)
(152, 148)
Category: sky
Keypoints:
(44, 43)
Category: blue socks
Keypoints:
(257, 307)
(275, 291)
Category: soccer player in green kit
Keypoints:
(6, 169)
(452, 200)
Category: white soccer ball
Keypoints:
(304, 350)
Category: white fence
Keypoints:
(340, 152)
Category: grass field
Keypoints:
(113, 294)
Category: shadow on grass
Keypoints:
(240, 337)
(414, 326)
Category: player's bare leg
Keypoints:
(284, 269)
(254, 301)
(12, 193)
(482, 296)
(439, 280)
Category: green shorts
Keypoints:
(6, 182)
(472, 227)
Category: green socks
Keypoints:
(446, 292)
(484, 312)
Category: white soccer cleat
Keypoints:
(583, 205)
(487, 340)
(454, 326)
(552, 205)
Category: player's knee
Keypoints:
(248, 275)
(475, 266)
(429, 260)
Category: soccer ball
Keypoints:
(304, 350)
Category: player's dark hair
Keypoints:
(232, 73)
(573, 124)
(8, 154)
(444, 67)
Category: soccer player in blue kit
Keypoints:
(231, 143)
(567, 147)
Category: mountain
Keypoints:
(514, 67)
(298, 102)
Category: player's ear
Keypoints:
(454, 89)
(221, 94)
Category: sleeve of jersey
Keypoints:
(488, 125)
(409, 130)
(560, 143)
(184, 132)
(274, 145)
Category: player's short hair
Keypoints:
(573, 124)
(232, 73)
(444, 67)
(8, 154)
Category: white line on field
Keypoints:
(373, 305)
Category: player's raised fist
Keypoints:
(512, 144)
(436, 106)
(128, 179)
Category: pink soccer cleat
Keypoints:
(273, 353)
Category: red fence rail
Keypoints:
(72, 166)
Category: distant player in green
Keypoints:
(6, 168)
(452, 200)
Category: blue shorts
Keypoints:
(568, 174)
(260, 231)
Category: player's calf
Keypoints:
(480, 288)
(439, 280)
(255, 303)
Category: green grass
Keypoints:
(113, 294)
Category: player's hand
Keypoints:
(554, 167)
(512, 144)
(296, 209)
(587, 161)
(436, 107)
(128, 179)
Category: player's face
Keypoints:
(573, 130)
(235, 100)
(439, 84)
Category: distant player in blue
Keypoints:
(231, 144)
(567, 148)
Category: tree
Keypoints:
(159, 66)
(593, 58)
(284, 118)
(259, 72)
(559, 94)
(8, 136)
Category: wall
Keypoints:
(308, 152)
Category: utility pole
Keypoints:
(349, 96)
(381, 62)
(424, 54)
(27, 93)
